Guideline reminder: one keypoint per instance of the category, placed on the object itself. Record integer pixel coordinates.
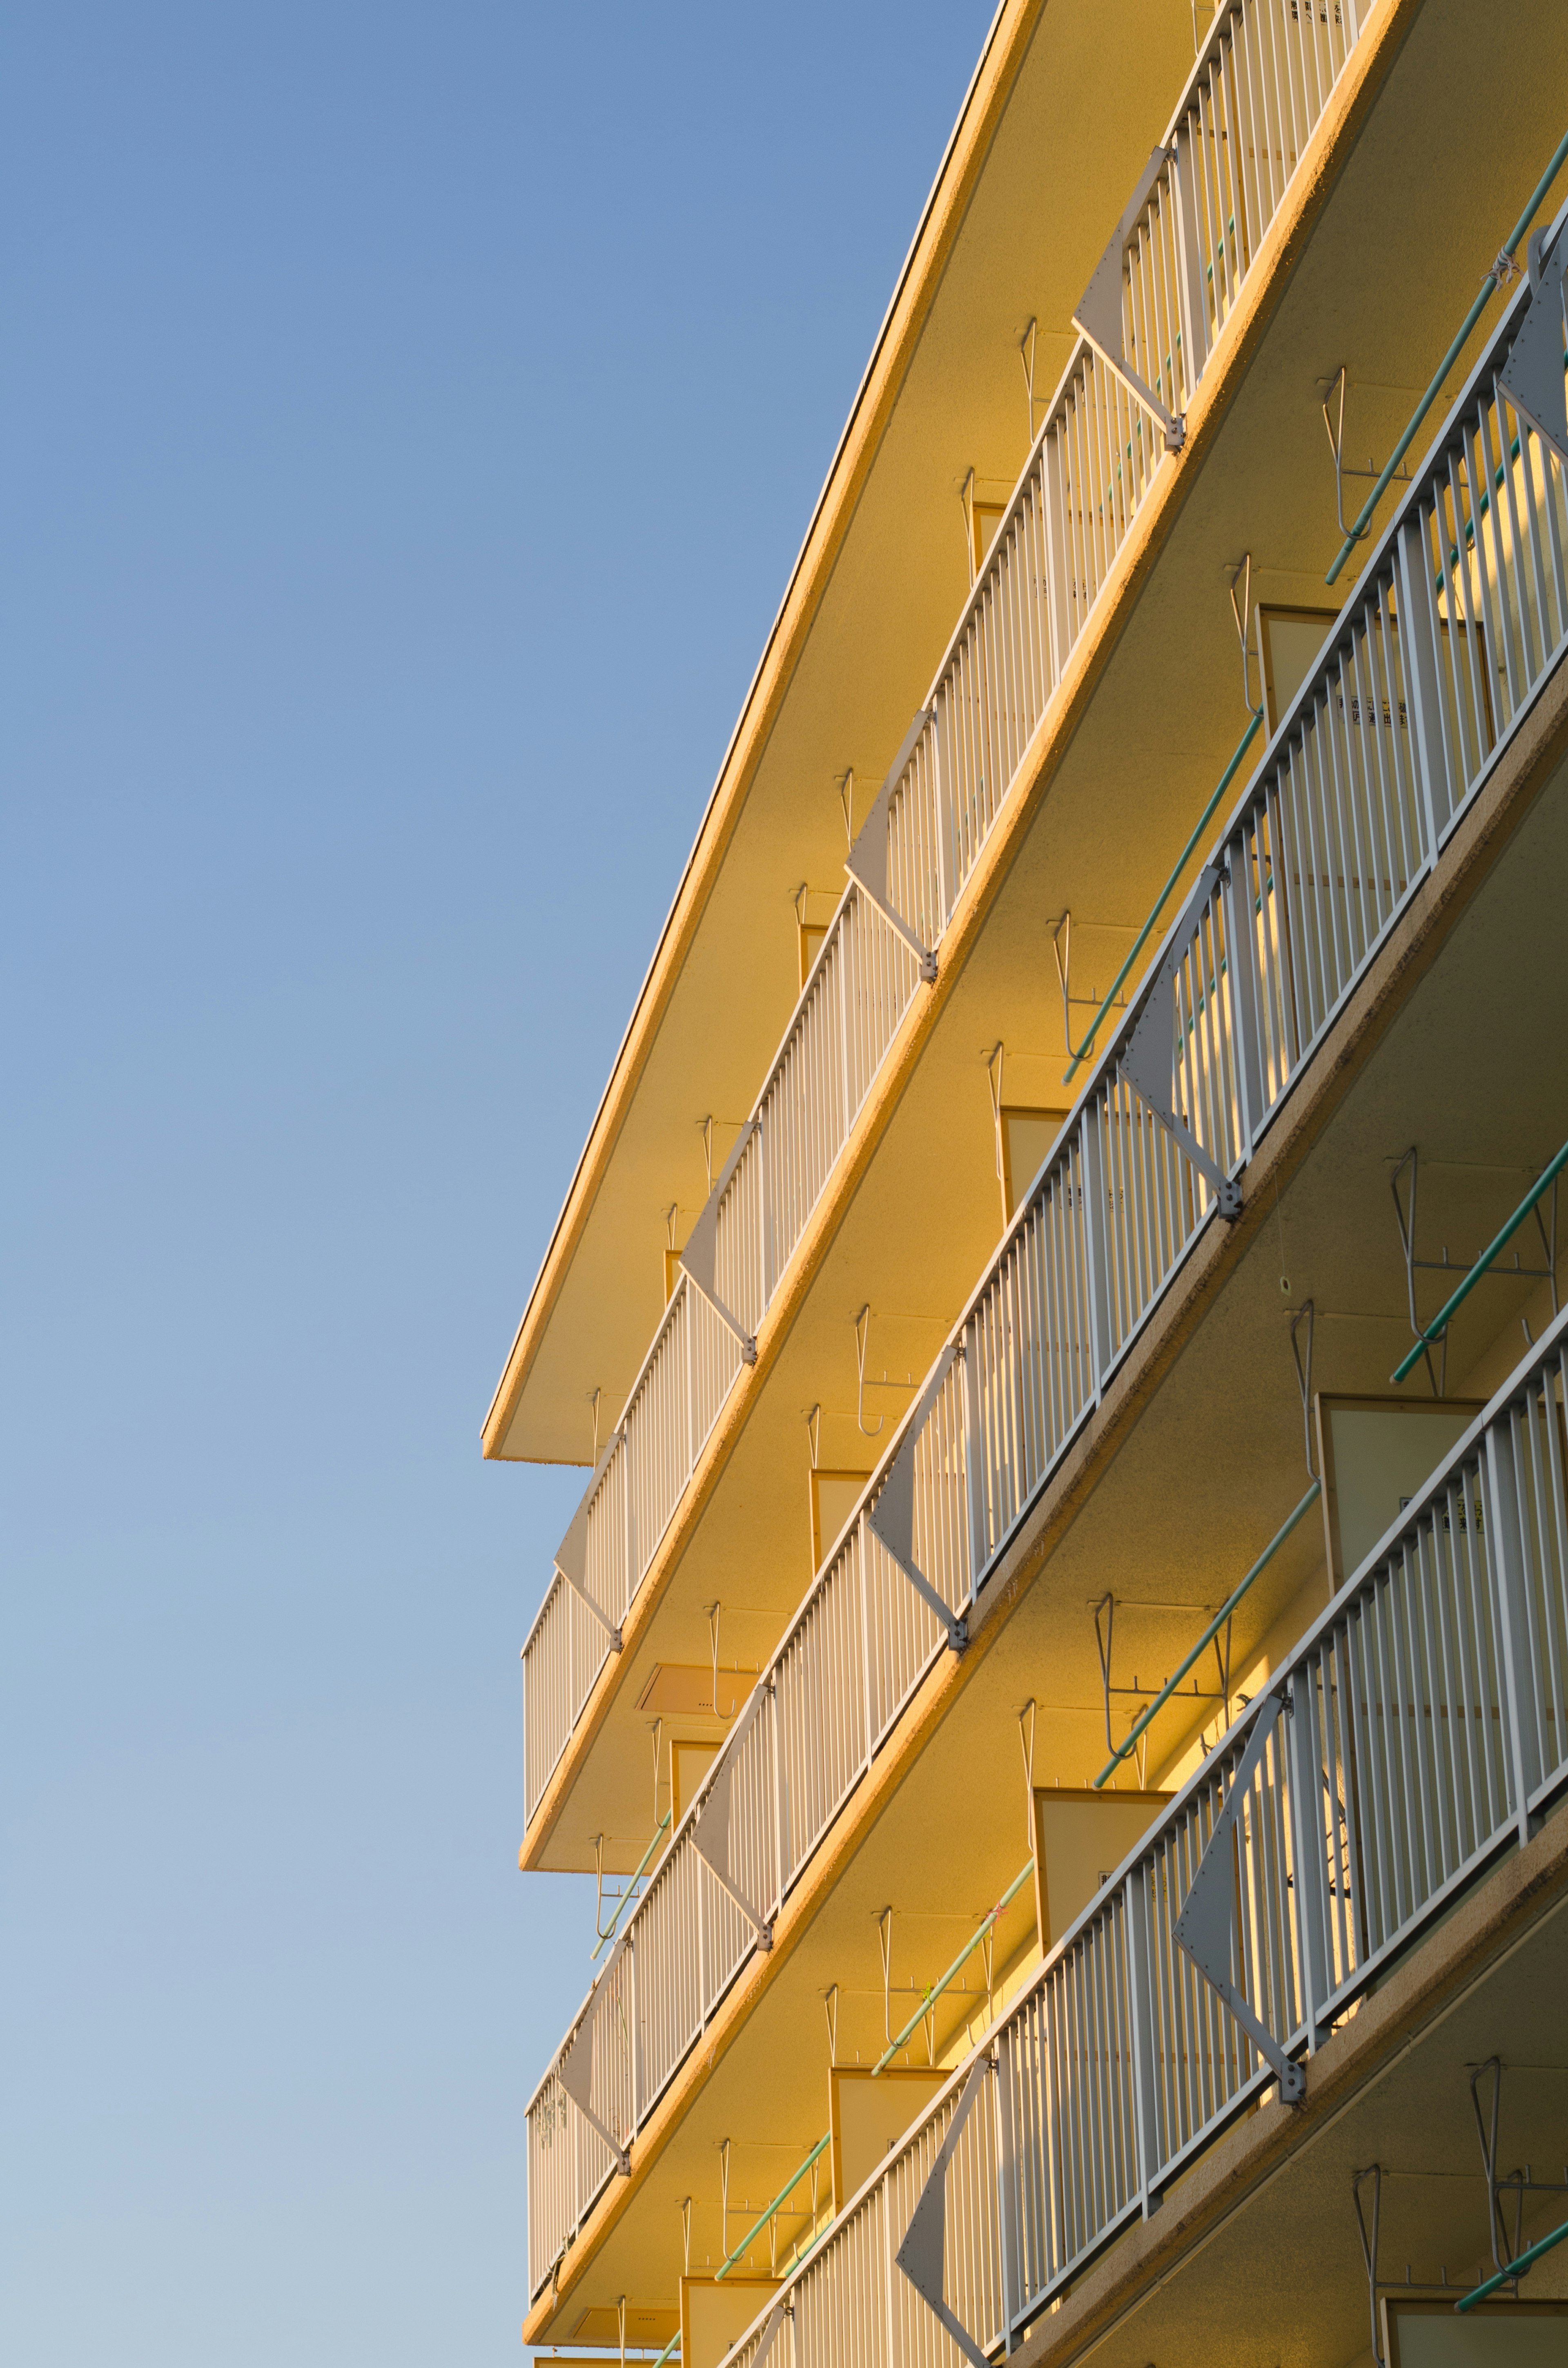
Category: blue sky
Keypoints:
(409, 418)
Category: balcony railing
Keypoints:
(1418, 1730)
(1174, 269)
(1461, 613)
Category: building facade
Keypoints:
(1060, 1667)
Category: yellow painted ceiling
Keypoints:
(1054, 183)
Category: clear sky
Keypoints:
(409, 418)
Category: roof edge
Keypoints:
(989, 89)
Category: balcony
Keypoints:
(1346, 820)
(1417, 1733)
(1179, 257)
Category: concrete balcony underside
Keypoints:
(1189, 1463)
(1249, 477)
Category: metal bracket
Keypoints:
(572, 1553)
(1505, 2253)
(867, 862)
(1148, 1058)
(710, 1827)
(1405, 1219)
(1306, 1314)
(578, 2084)
(1335, 430)
(891, 1515)
(924, 2239)
(1532, 375)
(699, 1258)
(1099, 316)
(1243, 615)
(1061, 954)
(1204, 1928)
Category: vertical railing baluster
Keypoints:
(1307, 1892)
(1418, 667)
(1096, 1240)
(1142, 2006)
(1510, 1579)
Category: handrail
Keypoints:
(1226, 1609)
(937, 1988)
(1527, 2261)
(1083, 1051)
(1505, 254)
(788, 2189)
(608, 1934)
(670, 2350)
(1440, 1323)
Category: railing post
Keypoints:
(765, 1205)
(1096, 1244)
(632, 1575)
(846, 1063)
(686, 1318)
(1054, 493)
(946, 884)
(780, 1822)
(1506, 1560)
(1193, 297)
(974, 1454)
(1240, 975)
(1416, 631)
(861, 1534)
(1306, 1841)
(1141, 2014)
(1007, 2191)
(636, 2037)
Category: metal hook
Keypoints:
(884, 1943)
(1102, 1646)
(714, 1611)
(1243, 626)
(830, 2008)
(1406, 1225)
(658, 1736)
(594, 1397)
(966, 498)
(1374, 2171)
(1335, 430)
(813, 1434)
(845, 784)
(707, 1126)
(1306, 1314)
(1027, 1712)
(995, 1068)
(1026, 356)
(862, 1335)
(685, 2231)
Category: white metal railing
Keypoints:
(1176, 264)
(1385, 744)
(1419, 1728)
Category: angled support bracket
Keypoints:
(1532, 375)
(771, 2325)
(1204, 1928)
(920, 2255)
(710, 1827)
(893, 1514)
(572, 1553)
(1099, 316)
(699, 1258)
(1148, 1058)
(575, 2075)
(867, 862)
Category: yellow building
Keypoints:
(1062, 1663)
